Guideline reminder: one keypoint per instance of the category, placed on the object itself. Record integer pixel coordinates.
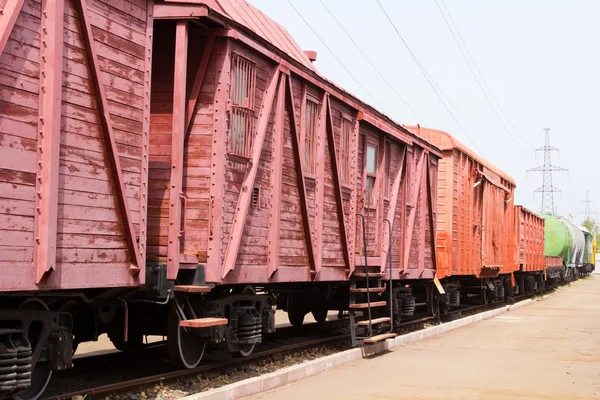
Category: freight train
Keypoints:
(182, 169)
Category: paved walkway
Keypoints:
(547, 350)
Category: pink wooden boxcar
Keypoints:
(181, 168)
(475, 234)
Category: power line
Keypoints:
(426, 75)
(477, 80)
(336, 57)
(479, 71)
(371, 63)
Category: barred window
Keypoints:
(345, 150)
(243, 82)
(310, 136)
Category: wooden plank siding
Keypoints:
(241, 200)
(196, 156)
(89, 215)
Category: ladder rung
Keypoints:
(375, 321)
(366, 305)
(192, 289)
(371, 275)
(203, 322)
(369, 290)
(379, 338)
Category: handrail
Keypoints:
(364, 234)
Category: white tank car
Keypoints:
(578, 244)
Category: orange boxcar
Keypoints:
(530, 240)
(475, 219)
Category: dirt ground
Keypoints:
(547, 350)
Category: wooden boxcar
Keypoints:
(475, 243)
(178, 165)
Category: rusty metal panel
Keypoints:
(529, 240)
(72, 144)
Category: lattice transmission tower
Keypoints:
(547, 189)
(588, 213)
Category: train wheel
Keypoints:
(433, 301)
(41, 374)
(320, 315)
(185, 347)
(295, 310)
(246, 350)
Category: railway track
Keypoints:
(285, 341)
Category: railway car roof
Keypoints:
(241, 14)
(446, 141)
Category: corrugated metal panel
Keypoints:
(530, 238)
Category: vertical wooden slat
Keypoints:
(337, 184)
(320, 187)
(424, 197)
(391, 214)
(300, 174)
(413, 208)
(177, 140)
(245, 196)
(46, 215)
(302, 127)
(8, 17)
(109, 136)
(146, 136)
(276, 166)
(195, 93)
(380, 185)
(217, 179)
(353, 161)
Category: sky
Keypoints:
(540, 60)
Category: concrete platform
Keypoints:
(547, 350)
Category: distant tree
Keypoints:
(591, 225)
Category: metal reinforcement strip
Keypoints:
(295, 373)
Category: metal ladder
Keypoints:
(373, 329)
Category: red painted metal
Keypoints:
(51, 79)
(177, 140)
(530, 240)
(253, 19)
(250, 177)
